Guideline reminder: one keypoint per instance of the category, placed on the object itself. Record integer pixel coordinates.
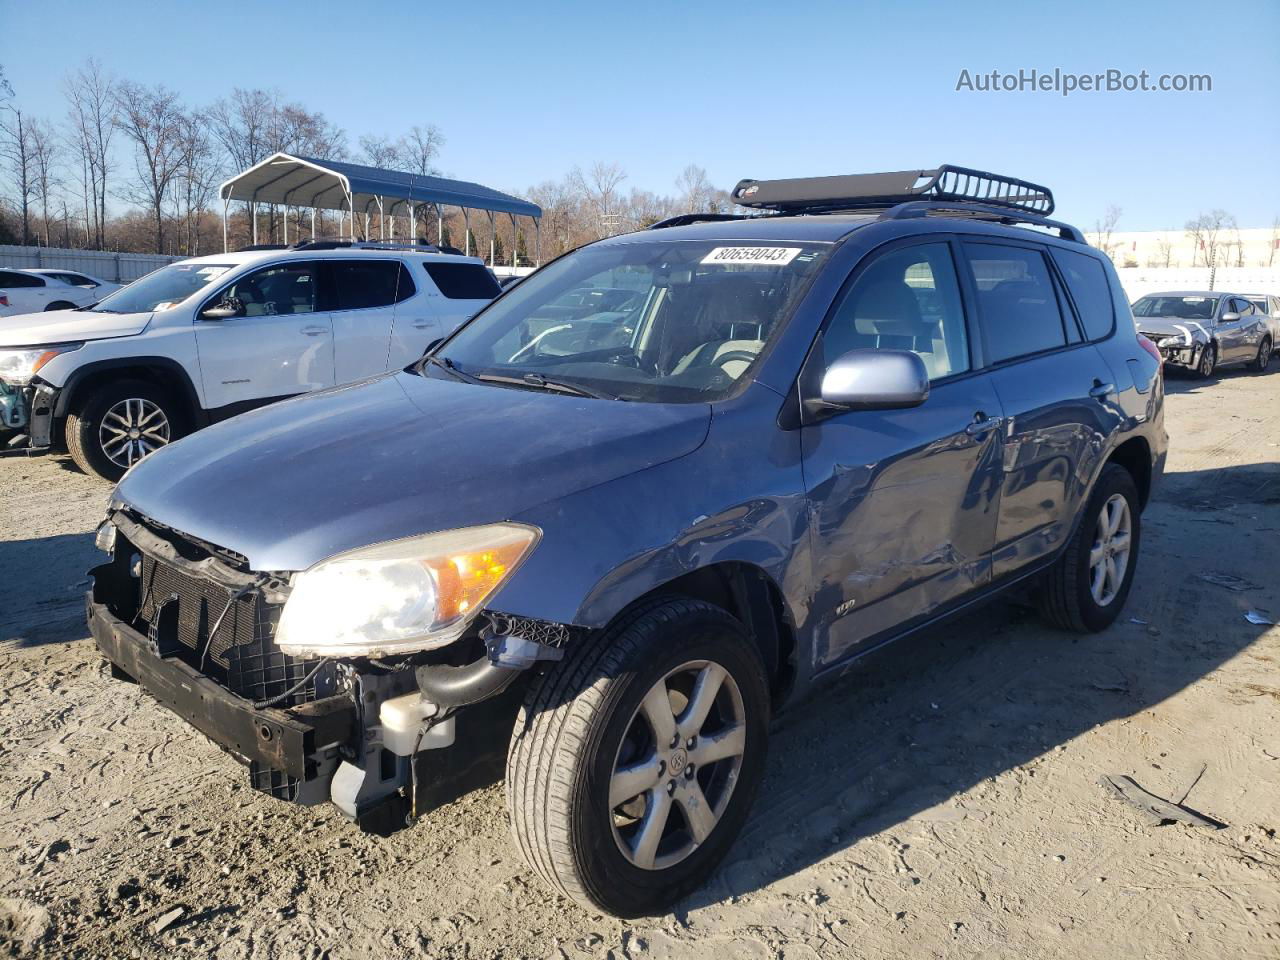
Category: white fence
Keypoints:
(116, 267)
(1139, 281)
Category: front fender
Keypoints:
(738, 498)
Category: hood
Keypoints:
(396, 456)
(64, 326)
(1186, 330)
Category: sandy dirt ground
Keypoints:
(942, 802)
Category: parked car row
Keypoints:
(29, 291)
(203, 339)
(599, 535)
(1202, 330)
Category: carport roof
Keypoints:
(337, 185)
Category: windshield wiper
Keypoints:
(445, 364)
(539, 382)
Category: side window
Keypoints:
(1016, 300)
(13, 280)
(463, 281)
(907, 299)
(1087, 281)
(271, 291)
(363, 284)
(1236, 305)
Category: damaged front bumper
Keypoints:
(376, 738)
(1179, 350)
(29, 409)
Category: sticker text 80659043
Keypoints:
(757, 256)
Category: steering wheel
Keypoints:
(628, 358)
(729, 356)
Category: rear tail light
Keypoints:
(1151, 348)
(4, 301)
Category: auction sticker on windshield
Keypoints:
(757, 256)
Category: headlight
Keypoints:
(19, 366)
(402, 596)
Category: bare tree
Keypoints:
(599, 189)
(1275, 242)
(15, 151)
(420, 148)
(378, 151)
(1206, 233)
(1106, 226)
(1164, 252)
(152, 119)
(46, 152)
(694, 190)
(197, 177)
(91, 96)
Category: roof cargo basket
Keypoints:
(875, 191)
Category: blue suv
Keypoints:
(599, 536)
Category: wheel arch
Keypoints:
(748, 593)
(1135, 456)
(162, 371)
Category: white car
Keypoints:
(204, 339)
(23, 291)
(1269, 304)
(99, 288)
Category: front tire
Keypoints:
(635, 759)
(1208, 361)
(60, 305)
(1087, 587)
(1260, 363)
(119, 424)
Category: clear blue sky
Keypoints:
(523, 91)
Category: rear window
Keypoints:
(11, 279)
(1087, 281)
(1017, 300)
(363, 284)
(463, 281)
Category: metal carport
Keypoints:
(356, 190)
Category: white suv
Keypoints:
(204, 339)
(25, 291)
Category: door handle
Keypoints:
(423, 324)
(1100, 391)
(314, 331)
(982, 424)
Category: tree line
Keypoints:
(134, 168)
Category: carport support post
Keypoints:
(439, 226)
(253, 212)
(537, 242)
(225, 202)
(466, 229)
(313, 223)
(493, 236)
(515, 241)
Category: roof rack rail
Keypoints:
(684, 219)
(325, 243)
(872, 191)
(255, 247)
(982, 211)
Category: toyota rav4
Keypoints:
(618, 541)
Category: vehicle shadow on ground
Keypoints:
(926, 719)
(1185, 381)
(42, 600)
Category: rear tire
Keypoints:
(1208, 361)
(1069, 597)
(100, 433)
(1260, 363)
(588, 733)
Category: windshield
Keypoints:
(660, 321)
(163, 288)
(1183, 308)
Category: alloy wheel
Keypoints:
(677, 765)
(1109, 555)
(131, 429)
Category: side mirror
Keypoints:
(1229, 317)
(875, 380)
(432, 345)
(228, 309)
